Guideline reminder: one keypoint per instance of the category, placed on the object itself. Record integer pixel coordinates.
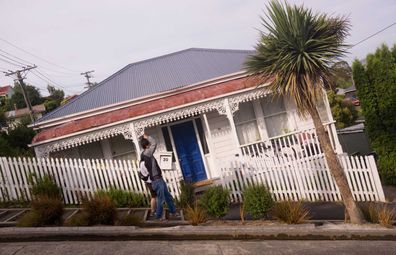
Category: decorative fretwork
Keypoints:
(135, 129)
(44, 150)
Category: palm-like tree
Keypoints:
(295, 55)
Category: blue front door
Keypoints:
(188, 152)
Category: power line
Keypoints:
(41, 66)
(31, 54)
(9, 62)
(380, 31)
(9, 54)
(11, 59)
(46, 79)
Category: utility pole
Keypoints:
(88, 76)
(23, 87)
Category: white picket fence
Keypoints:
(290, 178)
(78, 178)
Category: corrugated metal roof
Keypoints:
(156, 75)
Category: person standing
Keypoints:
(149, 146)
(144, 175)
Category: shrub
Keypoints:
(187, 195)
(375, 84)
(195, 214)
(290, 212)
(123, 198)
(30, 219)
(129, 220)
(216, 201)
(49, 209)
(370, 212)
(45, 211)
(44, 186)
(379, 214)
(100, 210)
(386, 216)
(257, 201)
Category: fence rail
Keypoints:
(308, 178)
(78, 178)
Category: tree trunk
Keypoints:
(336, 170)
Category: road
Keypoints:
(200, 247)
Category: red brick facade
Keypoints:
(144, 108)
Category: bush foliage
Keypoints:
(343, 111)
(44, 186)
(123, 198)
(49, 209)
(100, 210)
(379, 214)
(290, 212)
(47, 205)
(257, 201)
(215, 201)
(187, 195)
(376, 88)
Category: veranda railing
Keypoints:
(299, 144)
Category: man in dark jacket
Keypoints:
(149, 145)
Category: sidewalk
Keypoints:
(270, 231)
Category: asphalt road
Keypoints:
(201, 247)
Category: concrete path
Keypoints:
(201, 247)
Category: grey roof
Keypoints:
(156, 75)
(352, 129)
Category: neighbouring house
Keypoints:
(6, 91)
(14, 117)
(350, 94)
(199, 104)
(68, 99)
(354, 140)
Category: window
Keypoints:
(275, 116)
(246, 124)
(122, 149)
(91, 150)
(168, 143)
(201, 134)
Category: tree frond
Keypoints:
(298, 49)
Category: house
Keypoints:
(199, 104)
(6, 91)
(354, 140)
(14, 117)
(350, 94)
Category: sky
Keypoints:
(65, 38)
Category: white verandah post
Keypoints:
(212, 164)
(332, 127)
(230, 118)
